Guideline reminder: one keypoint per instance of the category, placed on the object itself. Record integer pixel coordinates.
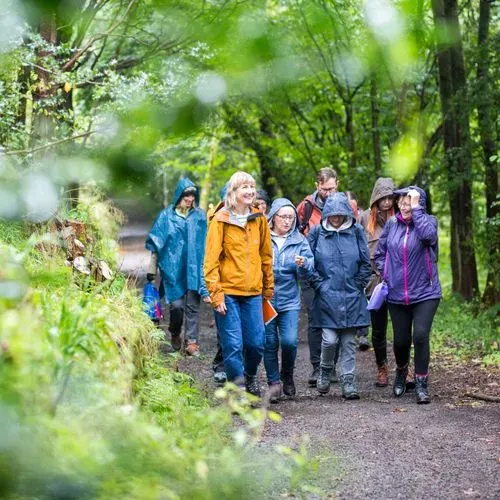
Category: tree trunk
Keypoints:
(350, 137)
(485, 105)
(456, 136)
(207, 179)
(375, 110)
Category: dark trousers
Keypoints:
(218, 362)
(419, 318)
(188, 306)
(314, 335)
(379, 321)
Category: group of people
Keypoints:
(325, 251)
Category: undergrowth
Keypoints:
(463, 330)
(88, 408)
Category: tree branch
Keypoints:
(69, 64)
(49, 145)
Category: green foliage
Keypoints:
(463, 330)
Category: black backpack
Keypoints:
(308, 210)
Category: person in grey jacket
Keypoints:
(341, 272)
(373, 222)
(292, 260)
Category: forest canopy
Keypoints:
(132, 95)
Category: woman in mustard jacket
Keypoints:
(238, 271)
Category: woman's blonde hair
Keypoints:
(237, 180)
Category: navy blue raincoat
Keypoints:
(286, 273)
(180, 245)
(342, 269)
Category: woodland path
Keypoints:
(381, 447)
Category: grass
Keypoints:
(88, 408)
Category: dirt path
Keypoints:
(383, 447)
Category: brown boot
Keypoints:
(382, 379)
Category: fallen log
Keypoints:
(483, 397)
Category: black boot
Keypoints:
(399, 387)
(313, 378)
(349, 389)
(288, 384)
(421, 390)
(252, 385)
(323, 384)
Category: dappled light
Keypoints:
(117, 116)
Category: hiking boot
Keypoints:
(333, 376)
(220, 378)
(421, 390)
(363, 344)
(313, 378)
(193, 349)
(410, 378)
(176, 342)
(349, 389)
(399, 387)
(288, 384)
(382, 378)
(274, 392)
(252, 385)
(323, 383)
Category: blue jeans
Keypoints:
(286, 326)
(242, 335)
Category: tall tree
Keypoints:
(484, 103)
(456, 137)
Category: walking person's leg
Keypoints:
(402, 317)
(176, 309)
(423, 315)
(231, 338)
(192, 313)
(348, 363)
(218, 361)
(329, 346)
(289, 332)
(314, 335)
(362, 334)
(254, 339)
(379, 320)
(271, 363)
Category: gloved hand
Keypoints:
(150, 276)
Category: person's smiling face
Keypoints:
(245, 194)
(336, 220)
(404, 205)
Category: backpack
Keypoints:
(308, 210)
(151, 302)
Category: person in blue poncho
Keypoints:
(177, 245)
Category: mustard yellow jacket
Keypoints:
(238, 260)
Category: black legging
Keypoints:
(421, 316)
(379, 333)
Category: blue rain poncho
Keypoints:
(180, 245)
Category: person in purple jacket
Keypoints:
(408, 251)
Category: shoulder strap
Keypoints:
(308, 210)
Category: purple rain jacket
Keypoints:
(411, 272)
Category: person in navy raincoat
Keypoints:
(407, 250)
(292, 260)
(342, 270)
(177, 243)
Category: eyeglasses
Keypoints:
(404, 205)
(286, 217)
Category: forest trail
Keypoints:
(380, 447)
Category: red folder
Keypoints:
(268, 311)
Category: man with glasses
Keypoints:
(309, 211)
